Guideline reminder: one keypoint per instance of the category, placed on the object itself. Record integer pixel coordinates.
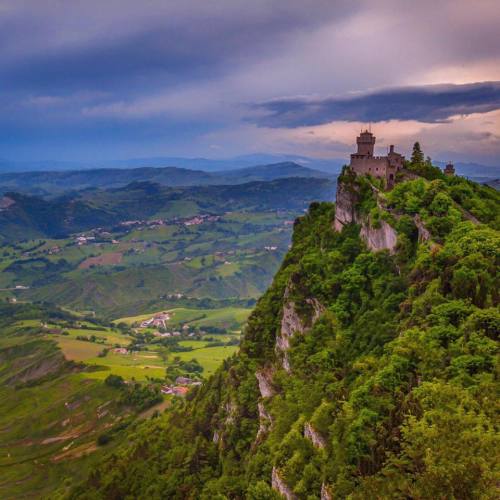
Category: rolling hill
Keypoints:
(26, 217)
(367, 370)
(50, 183)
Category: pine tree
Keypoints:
(417, 156)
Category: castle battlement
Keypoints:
(383, 167)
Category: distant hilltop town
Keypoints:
(363, 162)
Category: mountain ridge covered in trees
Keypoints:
(361, 374)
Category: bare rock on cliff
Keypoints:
(291, 324)
(265, 423)
(345, 203)
(265, 380)
(423, 232)
(216, 437)
(280, 486)
(230, 413)
(325, 492)
(314, 436)
(381, 238)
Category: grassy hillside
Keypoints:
(124, 251)
(25, 217)
(361, 374)
(52, 412)
(133, 269)
(60, 413)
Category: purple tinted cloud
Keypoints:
(432, 103)
(128, 44)
(121, 77)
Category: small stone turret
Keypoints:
(449, 169)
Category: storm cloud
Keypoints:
(105, 79)
(429, 104)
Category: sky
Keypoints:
(90, 80)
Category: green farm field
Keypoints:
(122, 272)
(209, 357)
(227, 317)
(152, 360)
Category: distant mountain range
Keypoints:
(55, 183)
(332, 166)
(25, 216)
(208, 165)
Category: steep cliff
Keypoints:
(362, 373)
(349, 210)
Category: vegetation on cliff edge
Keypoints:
(396, 379)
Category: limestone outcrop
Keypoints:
(383, 237)
(291, 324)
(280, 486)
(314, 436)
(325, 492)
(216, 437)
(265, 423)
(345, 202)
(230, 412)
(265, 380)
(423, 232)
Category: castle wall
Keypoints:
(383, 167)
(375, 165)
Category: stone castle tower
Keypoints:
(449, 169)
(363, 162)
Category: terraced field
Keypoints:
(56, 405)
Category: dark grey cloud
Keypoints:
(431, 104)
(118, 77)
(170, 42)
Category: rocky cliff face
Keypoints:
(352, 367)
(345, 202)
(316, 439)
(423, 233)
(292, 324)
(265, 380)
(280, 486)
(325, 492)
(265, 423)
(382, 237)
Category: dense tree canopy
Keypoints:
(391, 392)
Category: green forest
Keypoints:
(361, 374)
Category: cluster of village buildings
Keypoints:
(181, 387)
(99, 236)
(159, 320)
(200, 219)
(186, 221)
